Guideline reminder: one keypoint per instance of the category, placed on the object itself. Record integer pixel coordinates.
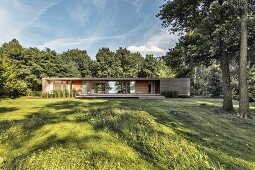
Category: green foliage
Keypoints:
(164, 70)
(106, 64)
(129, 62)
(10, 85)
(123, 134)
(208, 31)
(34, 94)
(29, 65)
(59, 94)
(214, 82)
(170, 94)
(150, 67)
(80, 59)
(206, 81)
(121, 63)
(251, 81)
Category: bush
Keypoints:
(34, 93)
(170, 94)
(54, 94)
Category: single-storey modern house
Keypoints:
(118, 87)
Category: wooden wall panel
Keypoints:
(45, 85)
(57, 85)
(64, 85)
(142, 86)
(182, 85)
(77, 86)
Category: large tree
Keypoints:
(130, 62)
(31, 64)
(10, 85)
(80, 59)
(150, 67)
(243, 86)
(106, 64)
(212, 32)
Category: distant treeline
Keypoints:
(21, 69)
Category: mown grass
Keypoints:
(123, 134)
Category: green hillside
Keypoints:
(123, 134)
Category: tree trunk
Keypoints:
(243, 87)
(227, 90)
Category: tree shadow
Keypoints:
(208, 127)
(51, 126)
(8, 109)
(52, 121)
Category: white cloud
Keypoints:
(156, 44)
(146, 49)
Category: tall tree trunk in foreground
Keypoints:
(227, 91)
(243, 87)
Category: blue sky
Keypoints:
(86, 24)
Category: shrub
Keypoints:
(34, 93)
(59, 94)
(170, 94)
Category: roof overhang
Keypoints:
(99, 79)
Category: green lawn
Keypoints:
(123, 134)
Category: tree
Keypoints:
(55, 65)
(121, 63)
(243, 86)
(30, 65)
(130, 62)
(211, 33)
(150, 67)
(106, 64)
(10, 86)
(80, 59)
(214, 81)
(163, 70)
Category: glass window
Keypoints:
(132, 87)
(84, 87)
(112, 87)
(68, 85)
(92, 87)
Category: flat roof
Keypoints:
(106, 79)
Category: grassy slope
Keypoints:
(123, 134)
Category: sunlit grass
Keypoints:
(191, 133)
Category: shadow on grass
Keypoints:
(8, 109)
(53, 125)
(62, 124)
(224, 137)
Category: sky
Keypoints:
(86, 24)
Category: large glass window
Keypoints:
(123, 87)
(69, 86)
(84, 87)
(132, 87)
(112, 87)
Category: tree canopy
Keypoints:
(209, 31)
(23, 68)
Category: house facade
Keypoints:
(117, 86)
